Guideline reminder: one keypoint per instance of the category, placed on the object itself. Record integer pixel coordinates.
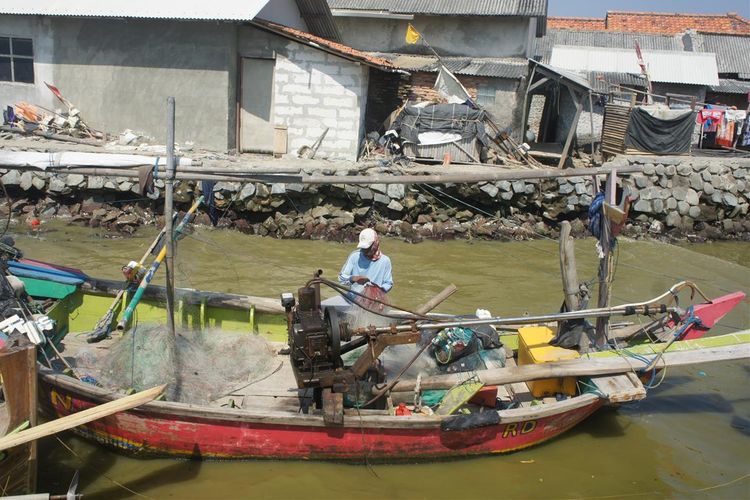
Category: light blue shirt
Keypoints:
(377, 271)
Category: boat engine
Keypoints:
(314, 338)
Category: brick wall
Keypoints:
(315, 90)
(382, 98)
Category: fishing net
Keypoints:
(198, 366)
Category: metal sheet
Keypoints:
(615, 40)
(664, 66)
(532, 8)
(146, 9)
(732, 51)
(512, 68)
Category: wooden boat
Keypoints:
(264, 419)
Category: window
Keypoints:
(16, 60)
(486, 96)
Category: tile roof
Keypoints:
(658, 22)
(576, 23)
(654, 22)
(336, 48)
(529, 8)
(512, 68)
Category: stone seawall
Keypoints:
(673, 198)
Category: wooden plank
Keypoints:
(620, 388)
(81, 417)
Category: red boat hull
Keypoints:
(149, 433)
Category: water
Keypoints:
(689, 438)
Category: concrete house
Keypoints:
(486, 44)
(257, 76)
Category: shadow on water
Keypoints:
(93, 463)
(169, 474)
(682, 404)
(742, 424)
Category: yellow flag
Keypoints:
(412, 35)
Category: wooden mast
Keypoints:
(605, 261)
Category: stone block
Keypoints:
(694, 212)
(692, 198)
(708, 189)
(683, 207)
(673, 219)
(351, 114)
(643, 206)
(504, 186)
(365, 194)
(696, 181)
(288, 110)
(381, 199)
(564, 188)
(489, 189)
(395, 206)
(340, 102)
(520, 187)
(302, 99)
(25, 182)
(641, 181)
(671, 204)
(649, 169)
(396, 191)
(729, 200)
(11, 178)
(379, 188)
(95, 182)
(657, 206)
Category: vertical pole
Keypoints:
(605, 262)
(568, 267)
(168, 210)
(591, 122)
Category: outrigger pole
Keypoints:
(168, 209)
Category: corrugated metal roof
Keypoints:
(318, 19)
(732, 51)
(223, 10)
(571, 76)
(603, 82)
(664, 66)
(729, 86)
(528, 8)
(512, 68)
(613, 40)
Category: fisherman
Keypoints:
(367, 270)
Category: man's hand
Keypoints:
(361, 280)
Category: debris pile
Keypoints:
(32, 119)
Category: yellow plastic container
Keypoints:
(534, 348)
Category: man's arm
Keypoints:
(345, 276)
(387, 275)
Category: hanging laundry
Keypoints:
(710, 118)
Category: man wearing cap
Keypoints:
(367, 266)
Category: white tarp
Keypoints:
(449, 88)
(43, 161)
(435, 137)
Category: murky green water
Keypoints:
(689, 438)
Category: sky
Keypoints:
(598, 8)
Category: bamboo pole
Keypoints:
(452, 178)
(168, 209)
(437, 299)
(81, 417)
(582, 367)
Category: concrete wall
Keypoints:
(448, 35)
(313, 91)
(119, 73)
(283, 12)
(40, 31)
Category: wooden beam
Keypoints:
(81, 417)
(568, 267)
(572, 131)
(436, 300)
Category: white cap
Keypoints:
(366, 238)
